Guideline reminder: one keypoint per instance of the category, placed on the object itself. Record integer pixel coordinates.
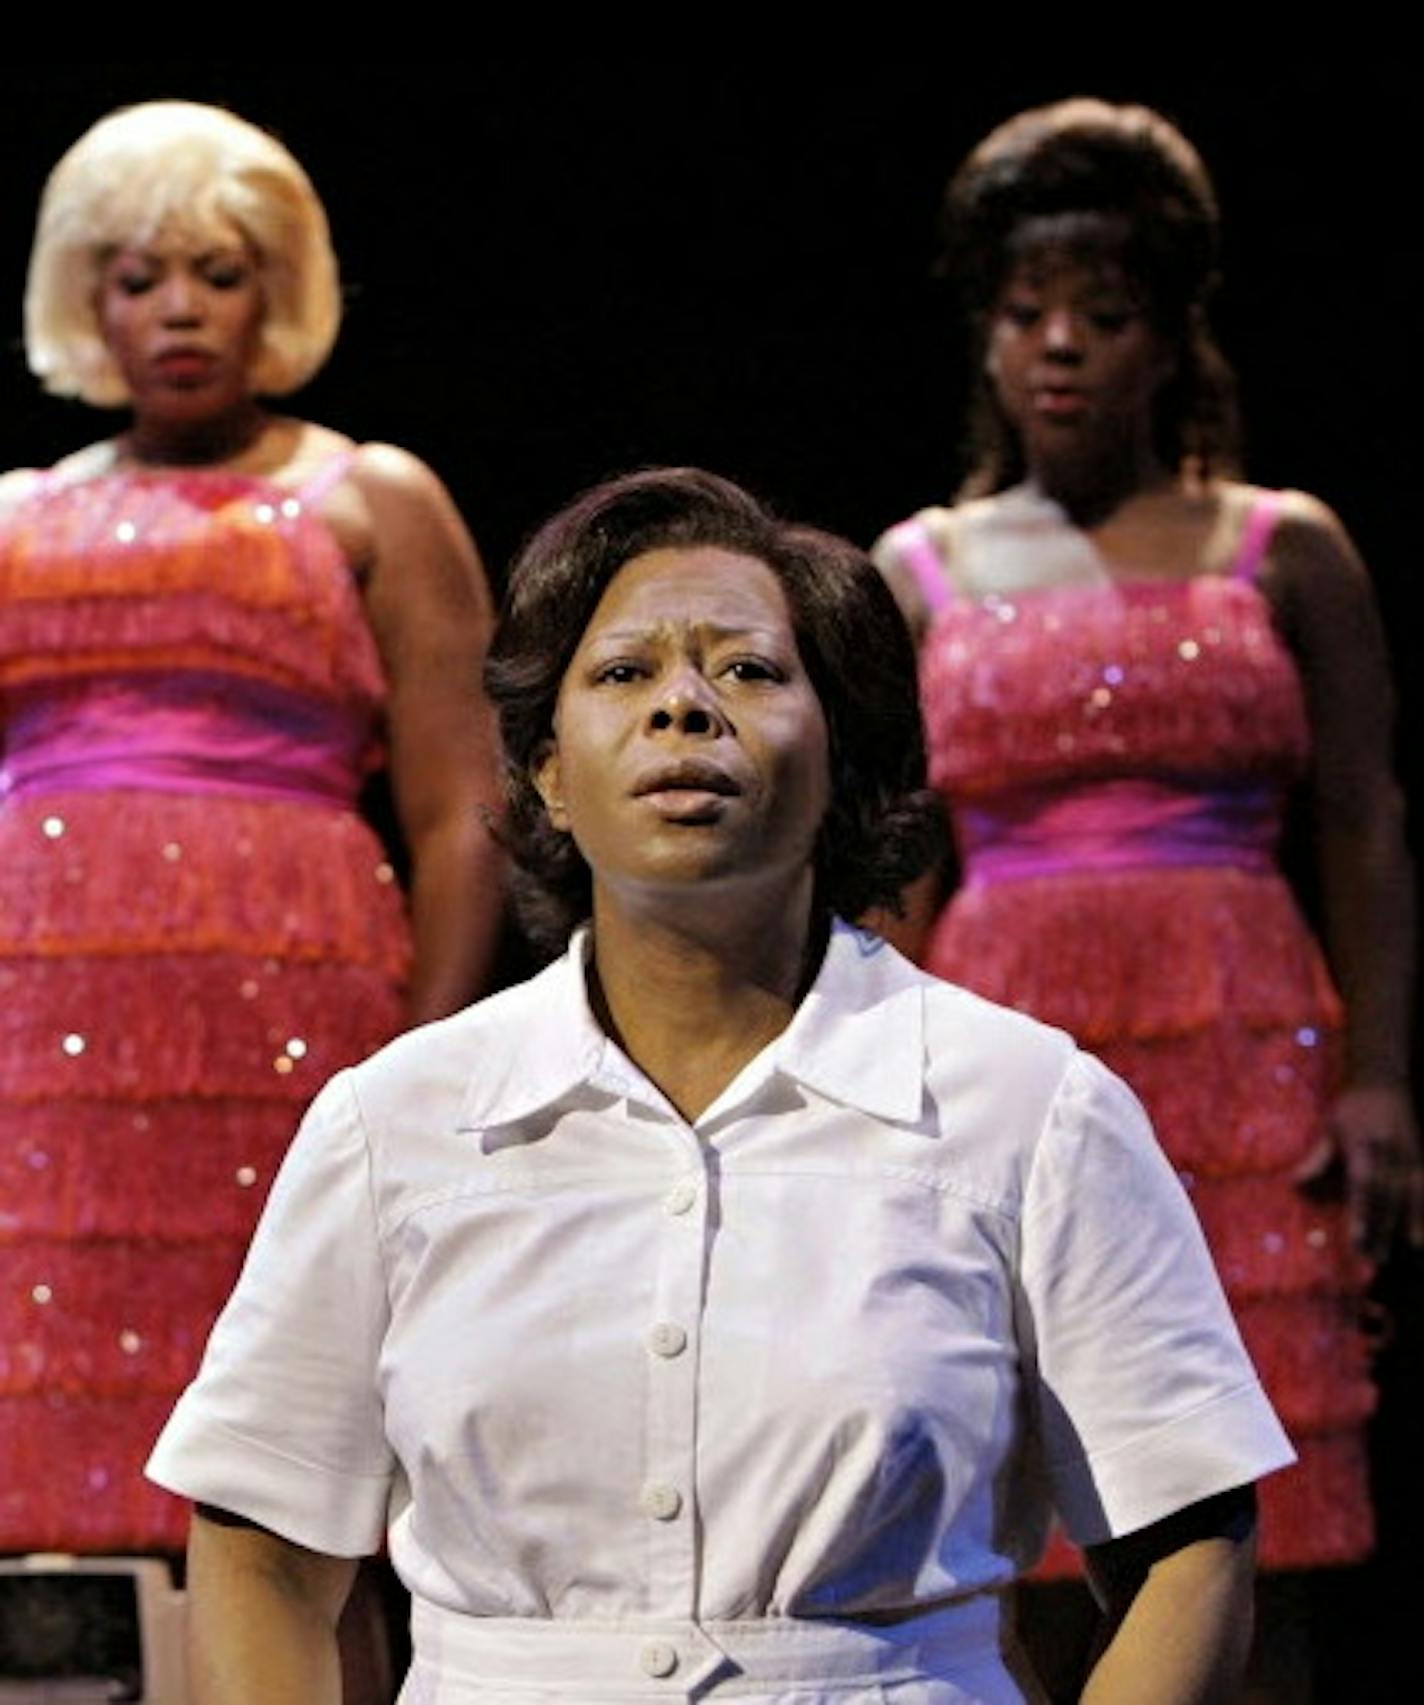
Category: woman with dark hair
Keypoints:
(718, 1313)
(1127, 657)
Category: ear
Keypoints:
(547, 775)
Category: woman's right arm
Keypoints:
(262, 1616)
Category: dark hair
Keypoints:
(882, 829)
(1144, 187)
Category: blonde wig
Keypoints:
(171, 166)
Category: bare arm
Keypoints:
(921, 902)
(1327, 611)
(262, 1617)
(1178, 1601)
(429, 607)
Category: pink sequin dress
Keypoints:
(196, 929)
(1116, 756)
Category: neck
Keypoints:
(1088, 491)
(692, 998)
(219, 438)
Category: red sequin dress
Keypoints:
(196, 929)
(1116, 757)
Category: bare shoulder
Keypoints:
(1311, 558)
(16, 486)
(89, 463)
(414, 531)
(1304, 522)
(385, 472)
(20, 484)
(909, 554)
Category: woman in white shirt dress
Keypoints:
(722, 1312)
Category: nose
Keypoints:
(688, 705)
(1062, 335)
(181, 300)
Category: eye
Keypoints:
(619, 673)
(1112, 320)
(225, 274)
(1024, 315)
(749, 669)
(134, 283)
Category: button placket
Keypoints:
(669, 1344)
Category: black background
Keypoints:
(557, 271)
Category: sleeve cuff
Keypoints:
(1229, 1442)
(198, 1457)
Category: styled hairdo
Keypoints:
(176, 163)
(1138, 179)
(882, 828)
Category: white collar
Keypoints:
(857, 1038)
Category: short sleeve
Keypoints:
(283, 1423)
(1147, 1401)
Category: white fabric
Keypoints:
(834, 1350)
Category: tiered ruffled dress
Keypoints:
(1116, 757)
(196, 929)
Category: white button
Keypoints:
(661, 1501)
(681, 1197)
(665, 1339)
(658, 1658)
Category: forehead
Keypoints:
(704, 587)
(1084, 248)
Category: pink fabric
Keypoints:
(1256, 536)
(1124, 824)
(917, 549)
(327, 477)
(196, 928)
(1170, 713)
(184, 733)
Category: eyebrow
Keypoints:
(704, 630)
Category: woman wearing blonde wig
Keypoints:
(213, 626)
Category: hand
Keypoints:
(1370, 1131)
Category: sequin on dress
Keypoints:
(196, 929)
(1116, 757)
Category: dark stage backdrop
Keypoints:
(555, 272)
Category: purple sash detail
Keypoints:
(1124, 824)
(184, 733)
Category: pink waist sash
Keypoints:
(182, 733)
(1117, 825)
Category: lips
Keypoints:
(187, 361)
(1059, 401)
(689, 775)
(689, 793)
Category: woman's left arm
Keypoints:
(429, 607)
(1177, 1597)
(1323, 597)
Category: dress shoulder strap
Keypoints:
(330, 474)
(1255, 539)
(915, 546)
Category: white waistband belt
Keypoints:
(666, 1658)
